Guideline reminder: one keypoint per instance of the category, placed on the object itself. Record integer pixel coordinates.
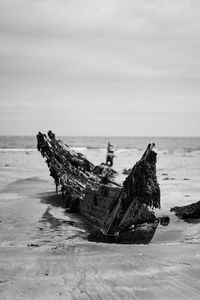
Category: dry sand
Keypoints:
(45, 254)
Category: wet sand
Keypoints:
(45, 253)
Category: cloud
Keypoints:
(99, 60)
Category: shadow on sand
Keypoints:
(53, 199)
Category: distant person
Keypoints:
(51, 135)
(110, 155)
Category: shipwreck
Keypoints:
(116, 209)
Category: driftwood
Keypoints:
(191, 211)
(78, 177)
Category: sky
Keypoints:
(109, 67)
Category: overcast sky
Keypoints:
(100, 67)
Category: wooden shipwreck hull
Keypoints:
(91, 190)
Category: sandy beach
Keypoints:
(46, 253)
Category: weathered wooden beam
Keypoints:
(69, 169)
(140, 187)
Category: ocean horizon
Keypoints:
(100, 142)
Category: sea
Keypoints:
(20, 143)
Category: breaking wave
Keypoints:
(17, 150)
